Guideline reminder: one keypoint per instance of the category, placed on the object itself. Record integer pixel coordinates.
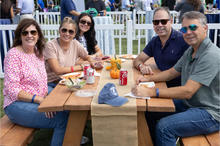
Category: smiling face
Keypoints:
(84, 24)
(29, 37)
(194, 37)
(67, 32)
(162, 30)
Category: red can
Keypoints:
(86, 66)
(123, 78)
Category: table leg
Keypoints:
(144, 138)
(75, 126)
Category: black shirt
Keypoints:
(97, 4)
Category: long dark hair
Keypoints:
(40, 45)
(91, 41)
(196, 4)
(6, 6)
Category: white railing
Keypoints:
(106, 37)
(119, 17)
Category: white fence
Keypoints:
(131, 43)
(119, 17)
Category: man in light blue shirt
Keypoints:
(25, 8)
(126, 5)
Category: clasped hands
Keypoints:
(145, 69)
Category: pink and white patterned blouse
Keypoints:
(23, 72)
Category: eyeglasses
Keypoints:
(162, 21)
(32, 32)
(192, 27)
(84, 22)
(64, 30)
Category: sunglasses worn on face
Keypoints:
(192, 27)
(64, 30)
(162, 21)
(32, 32)
(84, 22)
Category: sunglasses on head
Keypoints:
(64, 30)
(32, 32)
(84, 22)
(162, 21)
(192, 27)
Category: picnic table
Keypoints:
(62, 99)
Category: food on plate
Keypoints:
(71, 75)
(74, 84)
(128, 56)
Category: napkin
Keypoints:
(147, 84)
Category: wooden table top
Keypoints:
(62, 99)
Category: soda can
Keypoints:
(90, 78)
(86, 66)
(123, 78)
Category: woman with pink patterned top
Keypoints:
(25, 82)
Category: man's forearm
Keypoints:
(74, 13)
(165, 75)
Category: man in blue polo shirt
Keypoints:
(166, 48)
(198, 113)
(68, 9)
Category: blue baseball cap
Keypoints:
(109, 95)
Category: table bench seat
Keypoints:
(12, 134)
(212, 139)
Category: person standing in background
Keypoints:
(148, 5)
(25, 8)
(99, 5)
(189, 5)
(127, 5)
(68, 9)
(40, 5)
(80, 5)
(169, 3)
(118, 5)
(50, 6)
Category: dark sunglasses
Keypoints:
(192, 27)
(84, 22)
(162, 21)
(32, 32)
(64, 30)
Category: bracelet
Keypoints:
(32, 100)
(157, 92)
(72, 69)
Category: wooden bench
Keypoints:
(12, 134)
(212, 139)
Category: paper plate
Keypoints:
(128, 56)
(73, 75)
(147, 84)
